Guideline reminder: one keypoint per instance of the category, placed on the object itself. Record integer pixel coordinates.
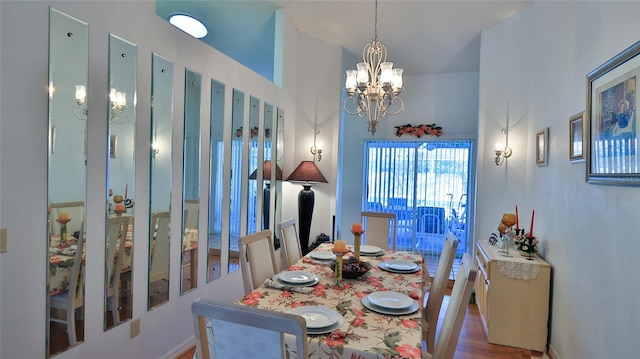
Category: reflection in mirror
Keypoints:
(68, 69)
(160, 179)
(191, 178)
(268, 173)
(235, 202)
(216, 157)
(252, 189)
(279, 156)
(123, 57)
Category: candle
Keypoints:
(126, 188)
(63, 216)
(533, 213)
(356, 227)
(340, 246)
(119, 207)
(517, 219)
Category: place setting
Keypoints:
(390, 303)
(297, 281)
(322, 255)
(319, 319)
(371, 251)
(399, 266)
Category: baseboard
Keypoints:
(552, 353)
(182, 348)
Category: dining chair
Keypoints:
(75, 211)
(289, 233)
(445, 345)
(191, 213)
(377, 229)
(116, 236)
(431, 310)
(73, 298)
(159, 268)
(257, 259)
(258, 333)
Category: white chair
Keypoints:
(257, 259)
(73, 298)
(431, 310)
(289, 233)
(116, 236)
(191, 213)
(159, 268)
(445, 346)
(258, 333)
(75, 210)
(377, 229)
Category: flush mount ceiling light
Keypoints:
(189, 24)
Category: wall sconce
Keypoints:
(81, 97)
(502, 152)
(316, 151)
(118, 101)
(155, 149)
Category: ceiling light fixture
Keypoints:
(189, 24)
(374, 86)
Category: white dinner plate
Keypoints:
(297, 277)
(385, 266)
(367, 303)
(329, 329)
(278, 279)
(401, 264)
(322, 255)
(367, 249)
(317, 316)
(390, 300)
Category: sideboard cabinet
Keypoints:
(512, 294)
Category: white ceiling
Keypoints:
(421, 36)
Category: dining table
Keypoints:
(365, 331)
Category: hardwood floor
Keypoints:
(472, 343)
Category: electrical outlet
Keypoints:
(3, 240)
(135, 327)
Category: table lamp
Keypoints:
(266, 197)
(307, 171)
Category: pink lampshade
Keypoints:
(266, 172)
(307, 171)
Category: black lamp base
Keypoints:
(306, 200)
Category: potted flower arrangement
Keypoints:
(528, 245)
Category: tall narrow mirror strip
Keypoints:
(216, 159)
(235, 202)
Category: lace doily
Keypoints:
(518, 270)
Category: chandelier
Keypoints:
(373, 88)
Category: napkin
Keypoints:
(316, 262)
(269, 283)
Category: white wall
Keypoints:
(533, 74)
(23, 172)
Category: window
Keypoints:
(426, 185)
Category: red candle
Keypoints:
(126, 187)
(517, 220)
(356, 228)
(533, 213)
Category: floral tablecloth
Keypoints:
(365, 334)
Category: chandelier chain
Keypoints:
(375, 24)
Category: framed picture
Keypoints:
(610, 120)
(542, 144)
(576, 144)
(113, 143)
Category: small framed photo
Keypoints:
(113, 143)
(611, 128)
(542, 144)
(576, 135)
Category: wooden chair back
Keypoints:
(257, 259)
(380, 229)
(290, 242)
(159, 268)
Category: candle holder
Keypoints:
(338, 267)
(357, 235)
(509, 234)
(528, 246)
(63, 231)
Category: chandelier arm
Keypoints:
(391, 103)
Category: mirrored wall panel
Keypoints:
(119, 244)
(67, 155)
(279, 158)
(271, 173)
(216, 159)
(254, 153)
(160, 179)
(191, 180)
(235, 201)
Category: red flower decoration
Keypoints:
(409, 323)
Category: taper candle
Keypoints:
(340, 246)
(517, 219)
(533, 213)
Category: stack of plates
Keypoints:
(320, 320)
(296, 278)
(392, 303)
(322, 255)
(399, 266)
(371, 251)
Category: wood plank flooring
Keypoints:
(472, 343)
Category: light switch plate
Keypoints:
(135, 327)
(3, 240)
